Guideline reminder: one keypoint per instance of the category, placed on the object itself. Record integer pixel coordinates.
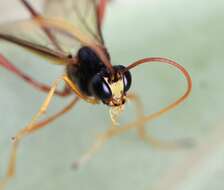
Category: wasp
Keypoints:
(69, 33)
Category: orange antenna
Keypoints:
(176, 65)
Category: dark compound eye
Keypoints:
(100, 88)
(127, 80)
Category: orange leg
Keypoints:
(31, 127)
(76, 90)
(52, 118)
(147, 137)
(100, 141)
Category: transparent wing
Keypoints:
(28, 31)
(82, 13)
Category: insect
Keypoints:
(69, 34)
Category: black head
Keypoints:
(111, 88)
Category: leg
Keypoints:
(40, 86)
(101, 138)
(31, 127)
(183, 143)
(100, 141)
(114, 130)
(52, 118)
(76, 90)
(41, 111)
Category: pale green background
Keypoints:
(190, 32)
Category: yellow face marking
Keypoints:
(117, 88)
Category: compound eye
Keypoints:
(100, 89)
(127, 80)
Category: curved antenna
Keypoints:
(174, 64)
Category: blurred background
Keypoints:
(189, 32)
